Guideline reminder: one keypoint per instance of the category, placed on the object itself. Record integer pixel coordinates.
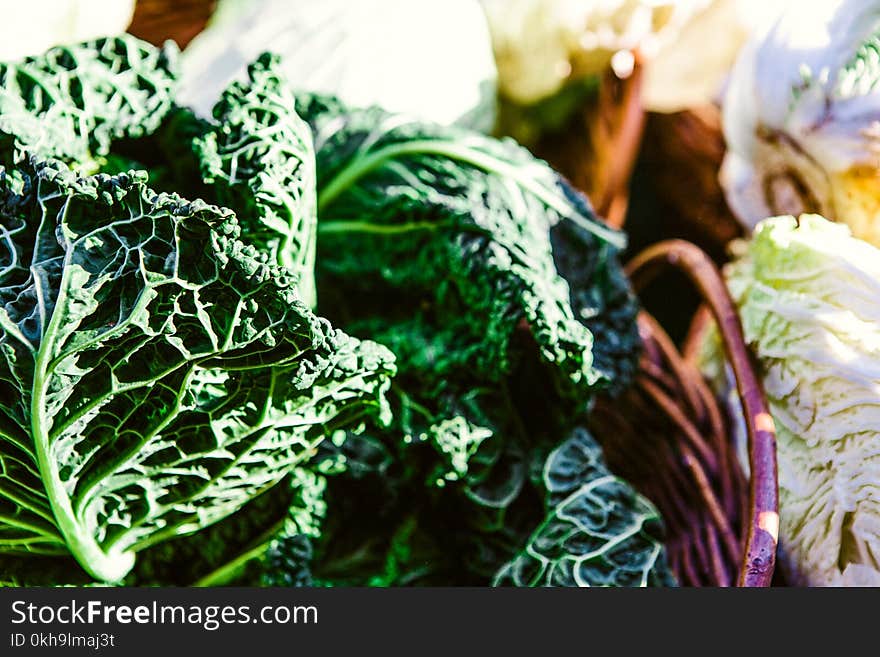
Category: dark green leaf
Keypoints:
(155, 372)
(598, 531)
(260, 160)
(72, 102)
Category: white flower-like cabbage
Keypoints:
(542, 44)
(32, 26)
(692, 68)
(421, 57)
(807, 293)
(802, 117)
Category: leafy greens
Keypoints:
(598, 531)
(261, 162)
(501, 297)
(163, 371)
(72, 102)
(157, 372)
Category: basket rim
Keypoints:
(762, 522)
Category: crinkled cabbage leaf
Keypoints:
(72, 102)
(502, 298)
(598, 530)
(155, 372)
(260, 162)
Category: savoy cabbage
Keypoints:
(163, 370)
(260, 159)
(157, 372)
(73, 102)
(598, 530)
(501, 297)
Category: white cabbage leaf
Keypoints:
(807, 294)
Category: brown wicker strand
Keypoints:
(672, 358)
(681, 422)
(731, 477)
(700, 323)
(643, 445)
(718, 567)
(713, 506)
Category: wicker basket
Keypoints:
(668, 435)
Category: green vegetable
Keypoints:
(163, 375)
(807, 296)
(492, 283)
(288, 557)
(156, 373)
(213, 553)
(502, 298)
(260, 160)
(478, 228)
(72, 102)
(598, 530)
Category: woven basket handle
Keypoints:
(759, 555)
